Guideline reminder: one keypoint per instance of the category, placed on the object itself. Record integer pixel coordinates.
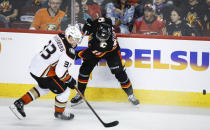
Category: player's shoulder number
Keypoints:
(48, 50)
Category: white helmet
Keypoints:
(74, 32)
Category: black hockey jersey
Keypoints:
(182, 29)
(102, 46)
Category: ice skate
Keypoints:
(133, 100)
(76, 100)
(18, 109)
(64, 115)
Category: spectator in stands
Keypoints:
(121, 14)
(192, 13)
(8, 12)
(48, 18)
(91, 8)
(206, 18)
(40, 3)
(44, 4)
(139, 11)
(65, 5)
(103, 7)
(139, 8)
(20, 3)
(143, 2)
(178, 26)
(163, 10)
(80, 16)
(179, 3)
(99, 2)
(149, 24)
(27, 10)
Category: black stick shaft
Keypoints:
(89, 105)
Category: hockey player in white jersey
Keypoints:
(50, 69)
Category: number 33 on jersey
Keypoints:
(55, 59)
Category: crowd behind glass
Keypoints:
(148, 17)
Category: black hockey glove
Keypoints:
(88, 27)
(71, 83)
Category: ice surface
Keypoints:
(144, 117)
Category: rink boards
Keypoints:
(163, 70)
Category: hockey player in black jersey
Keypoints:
(102, 45)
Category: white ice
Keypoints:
(144, 117)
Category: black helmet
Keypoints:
(104, 32)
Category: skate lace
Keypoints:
(19, 105)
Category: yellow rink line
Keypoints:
(174, 98)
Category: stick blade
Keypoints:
(111, 124)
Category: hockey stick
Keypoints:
(82, 37)
(111, 124)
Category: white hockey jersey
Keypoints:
(55, 59)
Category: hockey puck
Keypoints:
(204, 91)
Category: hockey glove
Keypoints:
(88, 27)
(71, 83)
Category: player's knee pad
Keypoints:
(64, 96)
(116, 69)
(122, 77)
(119, 73)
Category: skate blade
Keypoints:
(59, 118)
(75, 104)
(15, 112)
(137, 106)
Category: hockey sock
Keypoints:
(59, 106)
(127, 87)
(33, 94)
(82, 82)
(27, 98)
(82, 87)
(124, 82)
(128, 91)
(61, 100)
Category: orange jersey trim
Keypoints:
(80, 54)
(65, 77)
(50, 70)
(101, 55)
(58, 84)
